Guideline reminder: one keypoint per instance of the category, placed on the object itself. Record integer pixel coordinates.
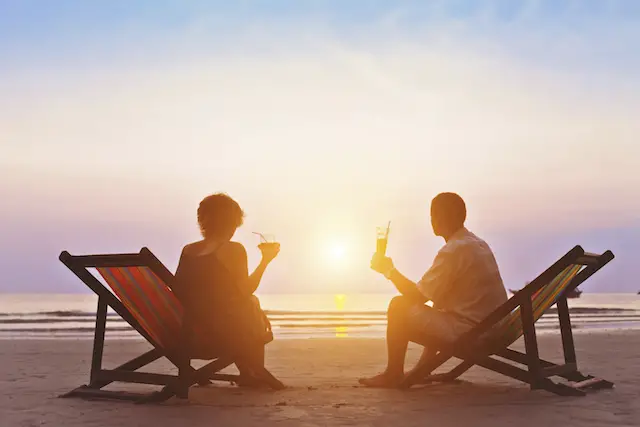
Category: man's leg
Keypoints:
(397, 335)
(397, 342)
(426, 356)
(428, 324)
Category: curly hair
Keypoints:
(219, 215)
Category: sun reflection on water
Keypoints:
(339, 299)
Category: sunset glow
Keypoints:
(322, 129)
(338, 252)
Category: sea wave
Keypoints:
(78, 313)
(303, 321)
(286, 323)
(78, 329)
(57, 313)
(285, 330)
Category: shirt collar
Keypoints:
(460, 234)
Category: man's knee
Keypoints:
(398, 305)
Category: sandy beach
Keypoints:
(323, 390)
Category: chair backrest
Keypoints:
(149, 299)
(510, 328)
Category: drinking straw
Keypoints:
(388, 226)
(262, 238)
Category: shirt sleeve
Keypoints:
(437, 279)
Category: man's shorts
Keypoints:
(425, 320)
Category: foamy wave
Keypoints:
(78, 313)
(286, 323)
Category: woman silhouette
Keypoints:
(222, 316)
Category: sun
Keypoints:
(337, 251)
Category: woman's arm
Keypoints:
(234, 256)
(253, 281)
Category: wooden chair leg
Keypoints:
(98, 339)
(160, 396)
(530, 343)
(566, 332)
(452, 375)
(132, 365)
(188, 376)
(560, 389)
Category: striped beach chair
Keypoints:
(488, 343)
(139, 291)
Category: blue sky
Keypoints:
(324, 118)
(41, 31)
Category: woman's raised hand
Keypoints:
(269, 251)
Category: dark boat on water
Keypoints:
(573, 294)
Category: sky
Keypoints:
(324, 119)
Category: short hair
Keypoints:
(449, 207)
(219, 214)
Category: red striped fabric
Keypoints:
(149, 300)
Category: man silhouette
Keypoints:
(463, 283)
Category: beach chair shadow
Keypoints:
(488, 343)
(141, 294)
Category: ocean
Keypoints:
(57, 316)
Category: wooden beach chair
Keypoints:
(141, 294)
(488, 343)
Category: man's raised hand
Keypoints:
(382, 264)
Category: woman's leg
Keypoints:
(251, 348)
(252, 371)
(254, 348)
(247, 361)
(251, 361)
